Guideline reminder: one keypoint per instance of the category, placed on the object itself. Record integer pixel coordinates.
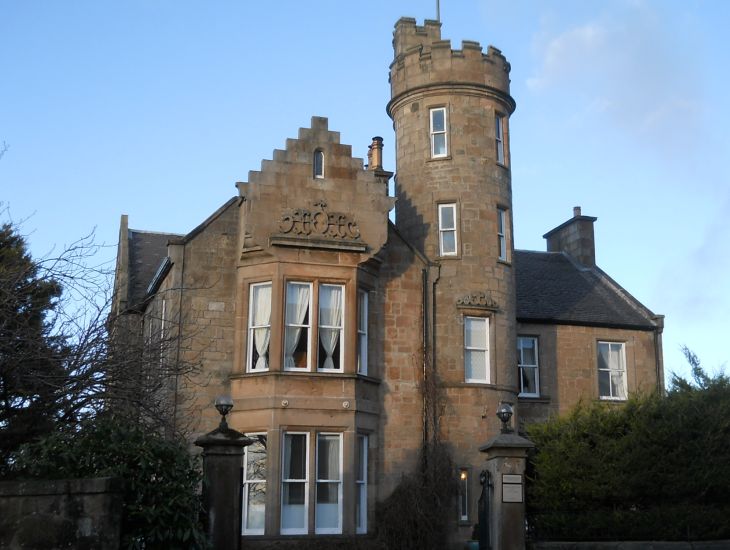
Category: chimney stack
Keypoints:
(575, 238)
(375, 154)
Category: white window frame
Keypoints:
(443, 230)
(361, 485)
(433, 133)
(499, 120)
(329, 530)
(522, 365)
(246, 482)
(250, 367)
(467, 349)
(363, 298)
(308, 326)
(611, 370)
(463, 494)
(341, 327)
(318, 164)
(502, 233)
(284, 481)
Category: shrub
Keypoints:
(657, 467)
(161, 505)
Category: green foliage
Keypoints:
(657, 467)
(420, 511)
(30, 355)
(161, 505)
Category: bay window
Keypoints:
(476, 349)
(297, 323)
(330, 327)
(254, 486)
(259, 327)
(328, 511)
(330, 305)
(362, 332)
(361, 484)
(295, 484)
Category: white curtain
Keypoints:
(330, 315)
(617, 371)
(262, 316)
(297, 304)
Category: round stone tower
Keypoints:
(450, 111)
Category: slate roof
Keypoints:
(147, 250)
(551, 288)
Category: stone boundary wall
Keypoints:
(83, 514)
(628, 545)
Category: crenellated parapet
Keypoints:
(423, 60)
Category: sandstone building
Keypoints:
(321, 317)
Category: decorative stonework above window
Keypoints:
(477, 300)
(318, 229)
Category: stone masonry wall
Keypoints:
(84, 514)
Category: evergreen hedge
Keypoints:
(654, 468)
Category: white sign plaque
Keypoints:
(512, 488)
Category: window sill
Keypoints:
(504, 262)
(533, 399)
(437, 159)
(316, 374)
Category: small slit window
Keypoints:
(318, 164)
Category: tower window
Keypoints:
(318, 164)
(362, 332)
(502, 233)
(447, 230)
(463, 494)
(439, 142)
(476, 349)
(499, 135)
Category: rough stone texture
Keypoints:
(474, 88)
(569, 365)
(83, 514)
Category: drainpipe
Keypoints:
(424, 315)
(659, 322)
(179, 339)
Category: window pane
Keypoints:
(475, 365)
(447, 217)
(293, 510)
(327, 514)
(361, 450)
(603, 360)
(604, 384)
(437, 120)
(256, 459)
(528, 351)
(255, 506)
(328, 457)
(439, 144)
(448, 242)
(529, 384)
(295, 456)
(475, 333)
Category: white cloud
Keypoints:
(568, 53)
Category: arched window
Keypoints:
(318, 164)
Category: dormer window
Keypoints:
(318, 164)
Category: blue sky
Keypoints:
(155, 108)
